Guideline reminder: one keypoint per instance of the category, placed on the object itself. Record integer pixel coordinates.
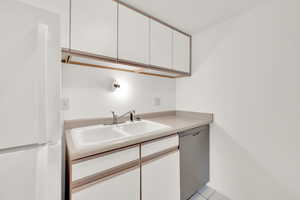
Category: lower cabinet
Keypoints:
(160, 169)
(125, 186)
(147, 171)
(160, 178)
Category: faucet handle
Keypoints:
(114, 114)
(132, 115)
(114, 117)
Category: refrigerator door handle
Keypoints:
(42, 171)
(43, 49)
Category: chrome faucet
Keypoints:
(117, 118)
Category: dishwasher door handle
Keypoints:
(189, 134)
(194, 132)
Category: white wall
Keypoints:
(246, 71)
(90, 95)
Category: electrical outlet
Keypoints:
(156, 101)
(65, 103)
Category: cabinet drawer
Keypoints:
(159, 145)
(124, 186)
(104, 162)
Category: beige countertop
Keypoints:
(177, 121)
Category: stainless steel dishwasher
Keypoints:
(194, 160)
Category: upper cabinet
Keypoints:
(160, 45)
(181, 52)
(112, 31)
(94, 27)
(133, 43)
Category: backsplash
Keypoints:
(88, 92)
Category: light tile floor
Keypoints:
(208, 193)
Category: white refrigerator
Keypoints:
(30, 122)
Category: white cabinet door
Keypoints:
(94, 27)
(181, 52)
(160, 45)
(133, 36)
(161, 178)
(124, 186)
(18, 172)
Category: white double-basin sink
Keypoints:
(105, 134)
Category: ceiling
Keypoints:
(193, 15)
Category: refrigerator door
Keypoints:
(29, 76)
(31, 173)
(18, 173)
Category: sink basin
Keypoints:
(141, 127)
(96, 134)
(106, 134)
